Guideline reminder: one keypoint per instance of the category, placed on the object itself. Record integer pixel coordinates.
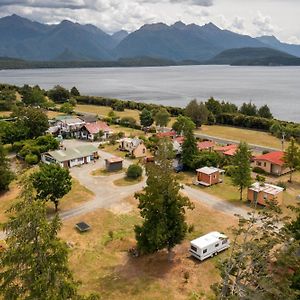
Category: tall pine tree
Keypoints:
(292, 157)
(6, 176)
(162, 206)
(241, 176)
(35, 265)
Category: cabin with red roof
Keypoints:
(90, 130)
(228, 150)
(206, 146)
(271, 163)
(168, 134)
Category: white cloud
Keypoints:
(263, 24)
(294, 40)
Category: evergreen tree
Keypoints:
(241, 176)
(35, 265)
(248, 109)
(74, 92)
(197, 112)
(52, 182)
(213, 106)
(162, 206)
(265, 112)
(189, 146)
(59, 94)
(6, 176)
(146, 118)
(292, 157)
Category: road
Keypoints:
(107, 195)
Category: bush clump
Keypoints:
(134, 171)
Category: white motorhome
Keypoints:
(209, 245)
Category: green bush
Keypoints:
(259, 170)
(31, 159)
(134, 171)
(282, 184)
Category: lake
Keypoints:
(279, 87)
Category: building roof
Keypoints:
(63, 117)
(179, 139)
(73, 153)
(88, 118)
(209, 170)
(205, 145)
(208, 239)
(266, 188)
(96, 127)
(135, 141)
(72, 120)
(272, 157)
(114, 159)
(226, 148)
(166, 134)
(230, 152)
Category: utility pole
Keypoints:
(282, 140)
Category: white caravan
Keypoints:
(209, 245)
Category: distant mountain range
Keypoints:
(23, 39)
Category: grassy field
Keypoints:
(129, 132)
(239, 134)
(53, 114)
(77, 196)
(127, 181)
(100, 261)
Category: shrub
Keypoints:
(259, 170)
(134, 171)
(31, 159)
(282, 184)
(229, 170)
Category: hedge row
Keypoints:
(120, 105)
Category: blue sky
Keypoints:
(254, 17)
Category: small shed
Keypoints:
(262, 192)
(114, 164)
(208, 176)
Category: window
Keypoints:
(217, 245)
(204, 251)
(265, 164)
(265, 196)
(224, 242)
(194, 248)
(258, 163)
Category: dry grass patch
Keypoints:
(125, 181)
(7, 199)
(78, 195)
(129, 132)
(239, 134)
(104, 172)
(5, 113)
(99, 257)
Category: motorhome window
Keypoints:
(204, 251)
(216, 245)
(224, 242)
(194, 248)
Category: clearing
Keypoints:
(100, 261)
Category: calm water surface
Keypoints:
(279, 87)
